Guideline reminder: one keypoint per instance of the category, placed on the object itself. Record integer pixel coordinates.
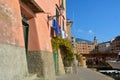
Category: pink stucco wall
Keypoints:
(11, 31)
(39, 34)
(42, 25)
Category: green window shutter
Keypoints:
(63, 25)
(57, 15)
(62, 3)
(55, 61)
(25, 31)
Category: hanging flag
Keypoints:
(63, 33)
(55, 27)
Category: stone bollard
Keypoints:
(68, 70)
(82, 60)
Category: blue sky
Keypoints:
(100, 18)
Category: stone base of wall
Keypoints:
(13, 64)
(41, 63)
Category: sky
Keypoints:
(100, 18)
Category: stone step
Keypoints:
(40, 78)
(30, 77)
(34, 77)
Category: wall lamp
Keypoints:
(50, 17)
(61, 11)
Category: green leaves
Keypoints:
(64, 45)
(58, 41)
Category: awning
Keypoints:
(33, 5)
(101, 55)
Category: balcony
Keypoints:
(32, 5)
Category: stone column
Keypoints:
(60, 66)
(75, 65)
(40, 58)
(41, 63)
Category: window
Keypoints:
(57, 15)
(63, 25)
(62, 4)
(24, 21)
(26, 31)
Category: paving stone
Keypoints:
(84, 74)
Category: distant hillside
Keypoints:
(83, 40)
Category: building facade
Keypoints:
(84, 47)
(25, 43)
(87, 47)
(69, 25)
(104, 47)
(115, 45)
(95, 50)
(95, 41)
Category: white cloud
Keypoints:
(90, 32)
